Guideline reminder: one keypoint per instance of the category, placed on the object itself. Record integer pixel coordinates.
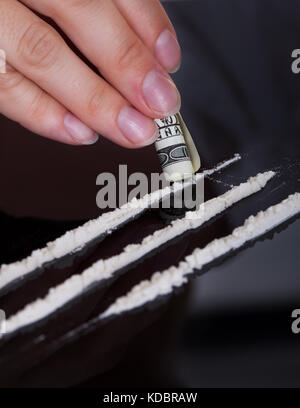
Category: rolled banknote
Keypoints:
(176, 150)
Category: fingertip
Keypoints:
(168, 51)
(92, 141)
(138, 129)
(79, 132)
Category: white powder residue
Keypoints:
(104, 269)
(75, 239)
(163, 283)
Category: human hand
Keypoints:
(48, 89)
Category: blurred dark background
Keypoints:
(238, 95)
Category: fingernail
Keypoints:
(167, 51)
(93, 140)
(79, 131)
(161, 94)
(136, 127)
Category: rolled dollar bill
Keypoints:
(176, 150)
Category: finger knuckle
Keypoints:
(131, 52)
(39, 107)
(95, 102)
(10, 81)
(79, 3)
(38, 46)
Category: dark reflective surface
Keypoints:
(231, 326)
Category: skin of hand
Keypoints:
(50, 90)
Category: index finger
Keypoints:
(152, 24)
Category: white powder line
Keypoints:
(105, 269)
(75, 239)
(162, 283)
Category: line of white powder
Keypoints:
(105, 269)
(75, 239)
(163, 283)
